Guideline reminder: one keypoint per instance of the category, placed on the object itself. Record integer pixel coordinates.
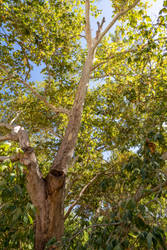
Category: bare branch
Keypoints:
(117, 16)
(88, 28)
(100, 26)
(66, 149)
(80, 195)
(35, 182)
(11, 136)
(82, 36)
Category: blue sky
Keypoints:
(153, 11)
(105, 6)
(107, 10)
(107, 13)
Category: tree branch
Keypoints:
(105, 60)
(164, 156)
(142, 193)
(87, 26)
(40, 97)
(111, 57)
(6, 125)
(43, 99)
(65, 152)
(107, 75)
(80, 195)
(100, 26)
(15, 118)
(8, 137)
(117, 16)
(12, 158)
(35, 183)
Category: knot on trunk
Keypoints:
(27, 150)
(55, 181)
(56, 173)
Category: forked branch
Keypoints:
(100, 26)
(35, 183)
(110, 25)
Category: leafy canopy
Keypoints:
(125, 204)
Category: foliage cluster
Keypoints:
(124, 207)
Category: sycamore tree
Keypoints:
(55, 132)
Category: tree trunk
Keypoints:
(50, 215)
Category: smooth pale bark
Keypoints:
(66, 149)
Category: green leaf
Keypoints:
(17, 214)
(164, 10)
(131, 204)
(50, 242)
(165, 3)
(117, 247)
(149, 240)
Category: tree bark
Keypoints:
(50, 216)
(47, 195)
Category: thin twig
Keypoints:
(14, 119)
(80, 195)
(92, 226)
(112, 56)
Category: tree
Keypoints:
(48, 34)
